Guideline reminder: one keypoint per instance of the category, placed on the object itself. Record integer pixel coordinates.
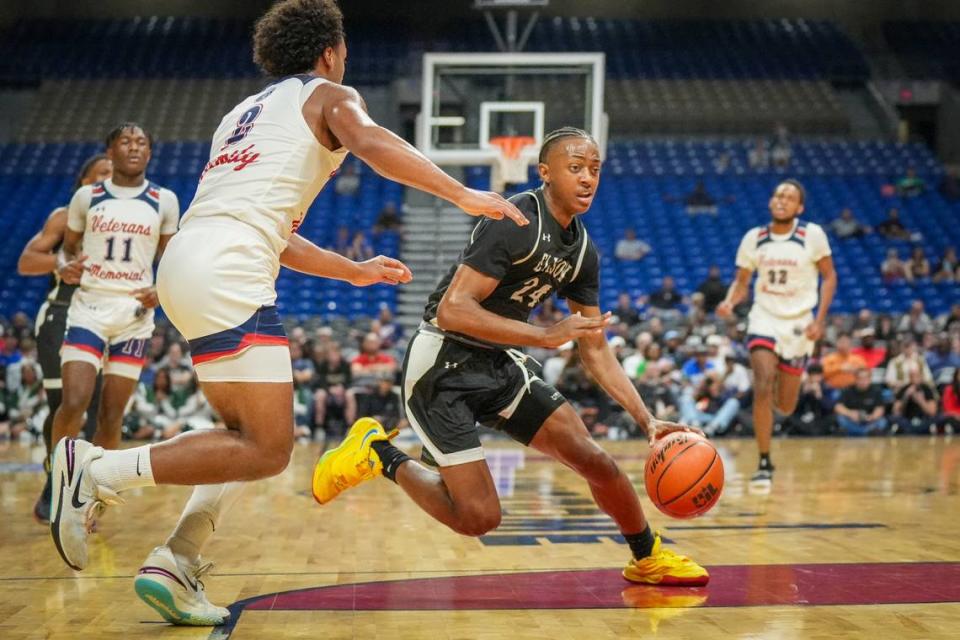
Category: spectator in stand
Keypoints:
(872, 355)
(389, 330)
(666, 298)
(699, 364)
(383, 405)
(861, 410)
(911, 185)
(179, 368)
(10, 352)
(25, 399)
(347, 182)
(334, 408)
(341, 244)
(304, 374)
(950, 422)
(709, 406)
(714, 289)
(372, 363)
(948, 269)
(814, 413)
(885, 329)
(759, 155)
(892, 228)
(625, 310)
(916, 321)
(630, 248)
(915, 407)
(918, 267)
(943, 357)
(360, 249)
(782, 150)
(721, 163)
(656, 395)
(388, 219)
(554, 366)
(840, 367)
(699, 200)
(847, 226)
(951, 321)
(864, 320)
(736, 378)
(910, 359)
(893, 268)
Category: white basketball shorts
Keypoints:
(216, 284)
(109, 331)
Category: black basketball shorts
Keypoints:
(51, 325)
(449, 387)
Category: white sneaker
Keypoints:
(75, 500)
(174, 590)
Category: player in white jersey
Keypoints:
(789, 257)
(115, 229)
(270, 157)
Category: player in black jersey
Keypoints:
(39, 258)
(462, 368)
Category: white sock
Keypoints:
(200, 518)
(123, 469)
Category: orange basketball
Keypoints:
(684, 475)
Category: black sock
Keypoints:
(641, 544)
(765, 461)
(390, 456)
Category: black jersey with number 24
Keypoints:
(531, 262)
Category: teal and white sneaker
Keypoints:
(174, 590)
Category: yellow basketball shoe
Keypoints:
(353, 461)
(664, 567)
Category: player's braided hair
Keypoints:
(558, 134)
(86, 167)
(290, 37)
(123, 126)
(798, 186)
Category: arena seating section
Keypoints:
(179, 75)
(926, 49)
(644, 184)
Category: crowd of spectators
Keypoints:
(870, 375)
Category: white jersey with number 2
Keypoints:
(266, 165)
(786, 266)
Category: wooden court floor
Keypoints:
(858, 539)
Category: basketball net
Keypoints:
(509, 167)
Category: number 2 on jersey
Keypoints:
(536, 296)
(244, 124)
(127, 243)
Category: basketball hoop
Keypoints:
(510, 165)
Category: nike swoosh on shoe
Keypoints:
(75, 500)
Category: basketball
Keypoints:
(684, 475)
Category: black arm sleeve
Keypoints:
(585, 289)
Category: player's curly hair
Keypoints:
(290, 37)
(558, 134)
(118, 130)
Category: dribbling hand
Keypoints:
(573, 327)
(659, 428)
(491, 205)
(381, 270)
